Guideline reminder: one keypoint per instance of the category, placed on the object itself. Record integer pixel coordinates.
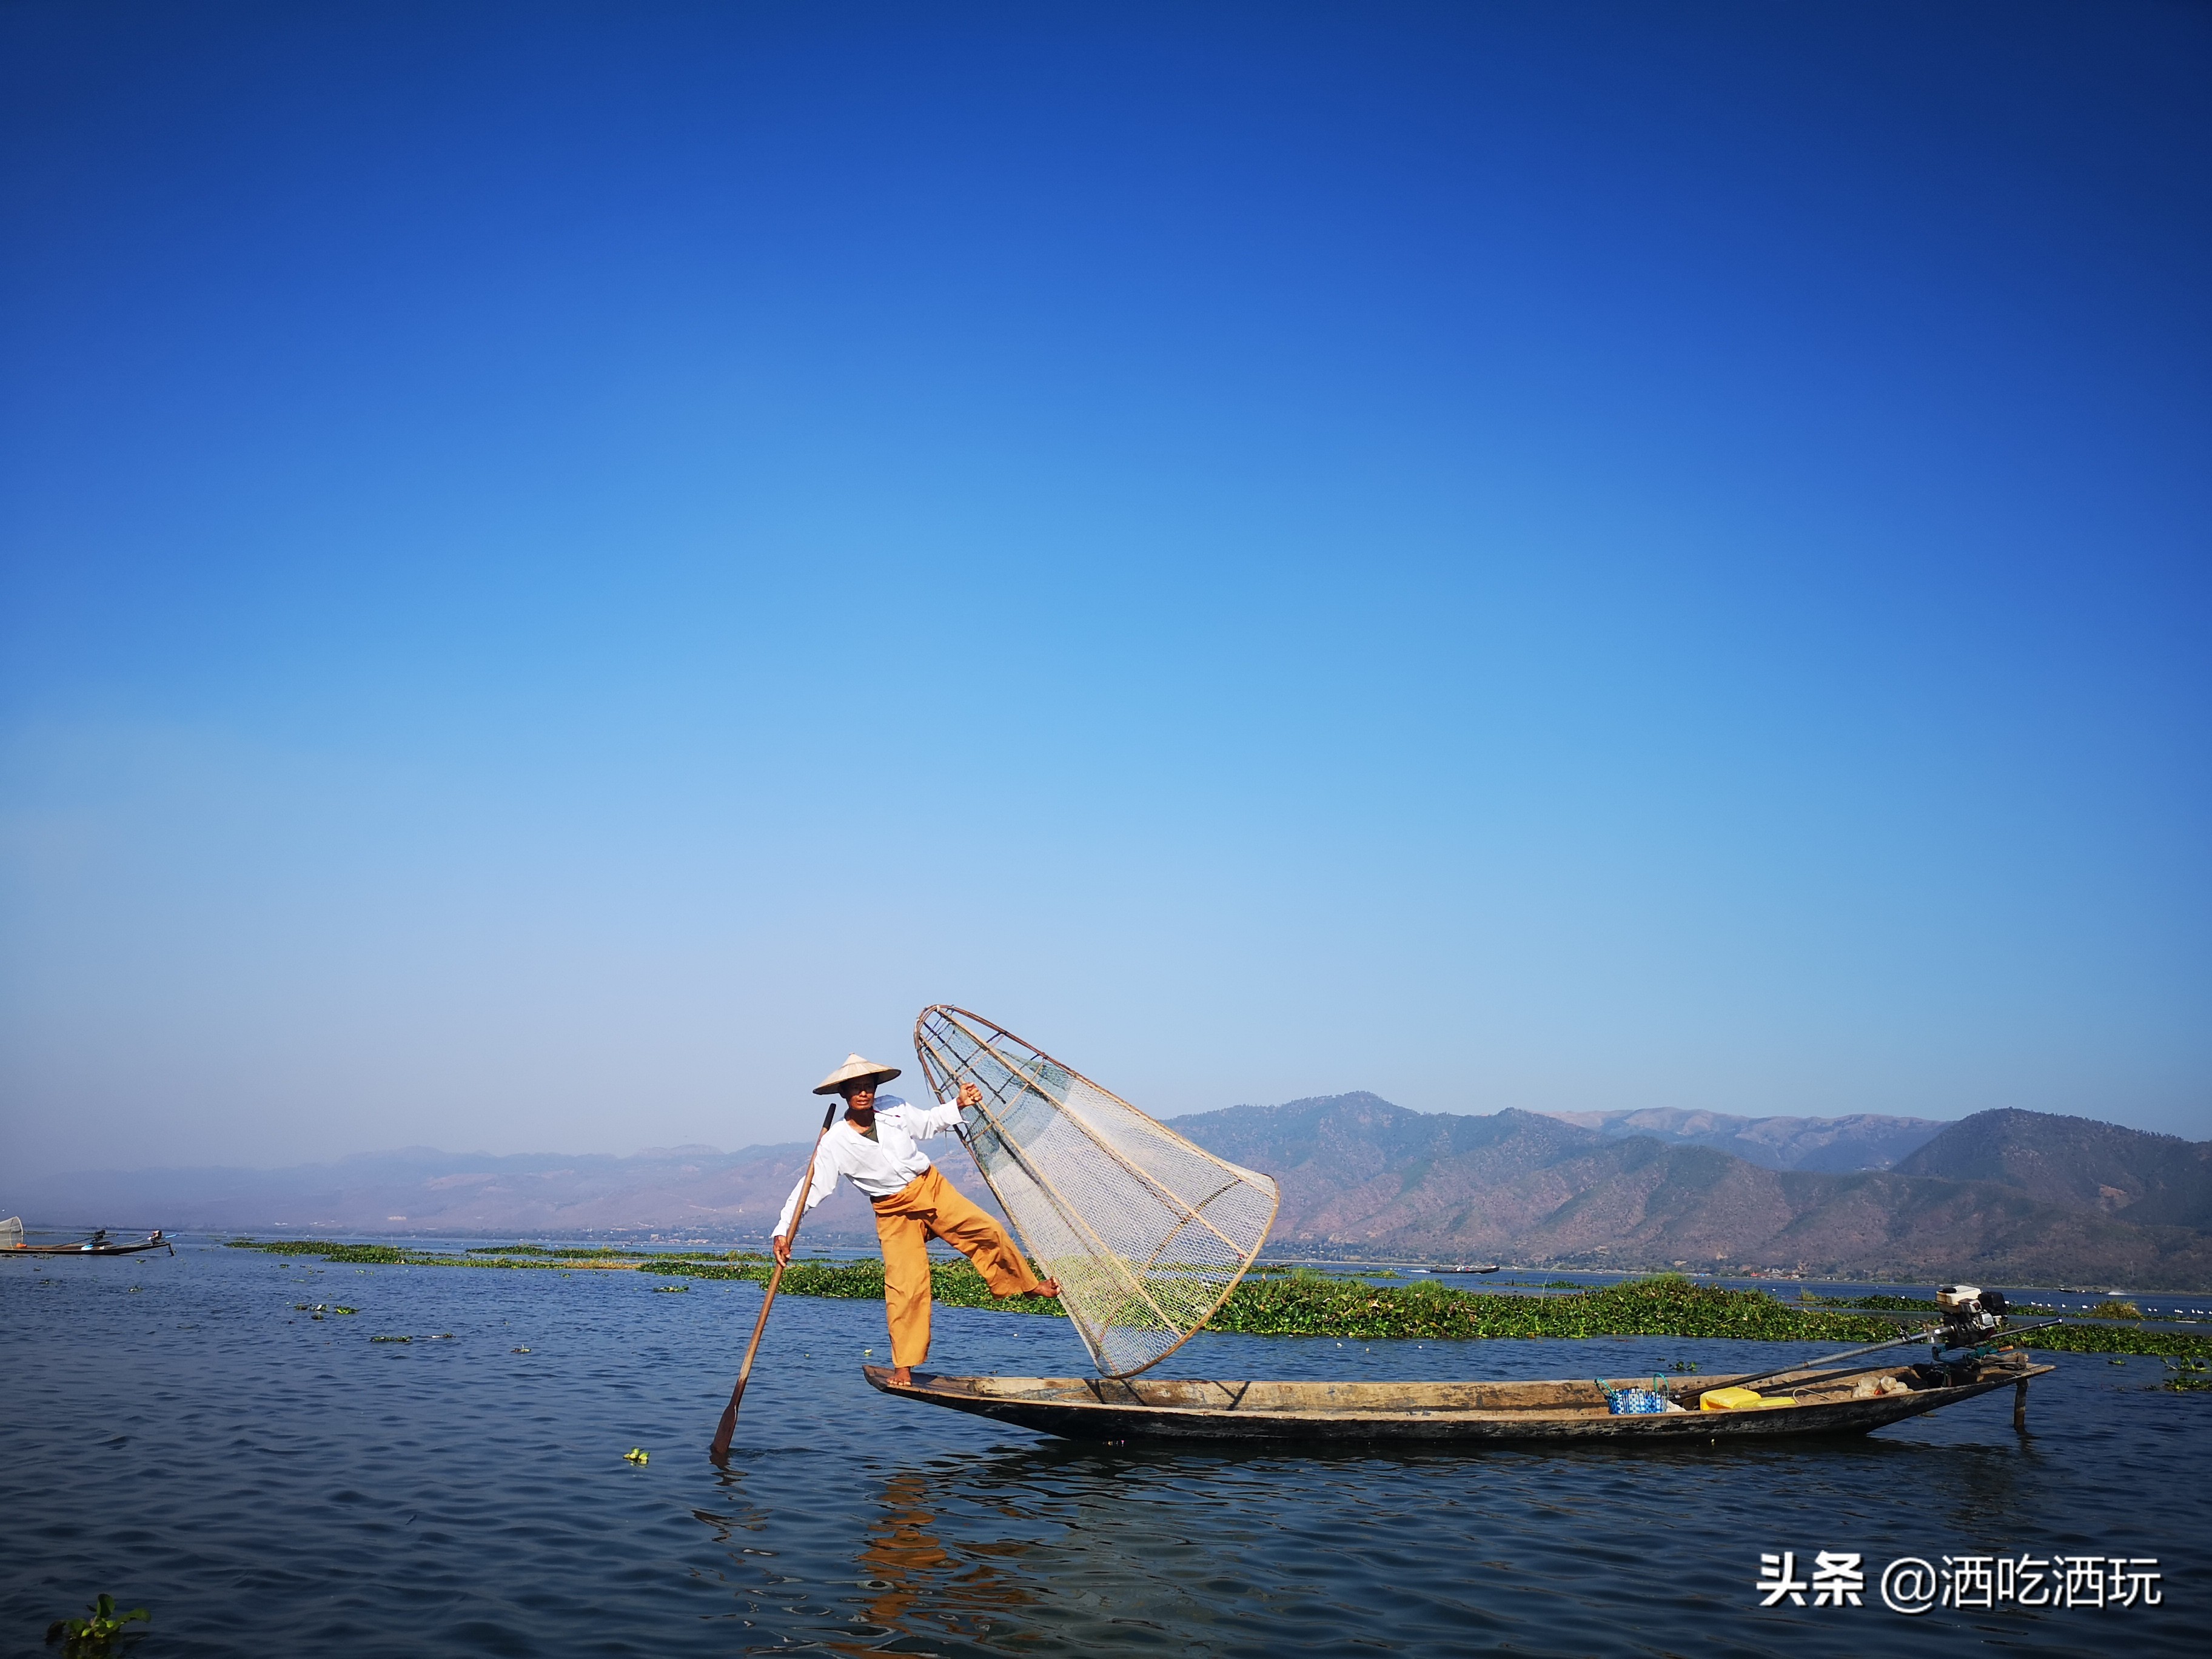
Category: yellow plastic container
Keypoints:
(1741, 1400)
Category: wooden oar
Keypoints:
(1911, 1337)
(720, 1451)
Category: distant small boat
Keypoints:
(1846, 1401)
(11, 1239)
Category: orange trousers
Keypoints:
(927, 1207)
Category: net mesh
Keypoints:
(1146, 1232)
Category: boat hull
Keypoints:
(1087, 1408)
(94, 1250)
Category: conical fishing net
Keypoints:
(1147, 1233)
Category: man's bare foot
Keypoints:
(901, 1377)
(1050, 1287)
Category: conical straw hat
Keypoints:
(854, 1068)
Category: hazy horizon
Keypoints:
(561, 568)
(803, 1138)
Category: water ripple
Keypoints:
(268, 1483)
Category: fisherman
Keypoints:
(874, 1144)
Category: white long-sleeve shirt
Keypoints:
(879, 1167)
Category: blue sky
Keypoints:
(565, 566)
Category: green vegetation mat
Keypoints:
(955, 1284)
(483, 1255)
(1883, 1304)
(1313, 1304)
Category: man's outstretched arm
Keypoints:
(826, 1172)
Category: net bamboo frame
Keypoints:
(1147, 1232)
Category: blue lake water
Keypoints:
(176, 1431)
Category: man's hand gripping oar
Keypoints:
(720, 1451)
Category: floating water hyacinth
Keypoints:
(96, 1636)
(2187, 1376)
(1276, 1301)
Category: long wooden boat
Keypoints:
(1846, 1401)
(98, 1244)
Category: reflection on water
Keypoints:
(269, 1484)
(913, 1581)
(1051, 1545)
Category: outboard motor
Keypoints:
(1971, 1314)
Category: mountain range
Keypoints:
(2007, 1196)
(2012, 1196)
(1865, 1140)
